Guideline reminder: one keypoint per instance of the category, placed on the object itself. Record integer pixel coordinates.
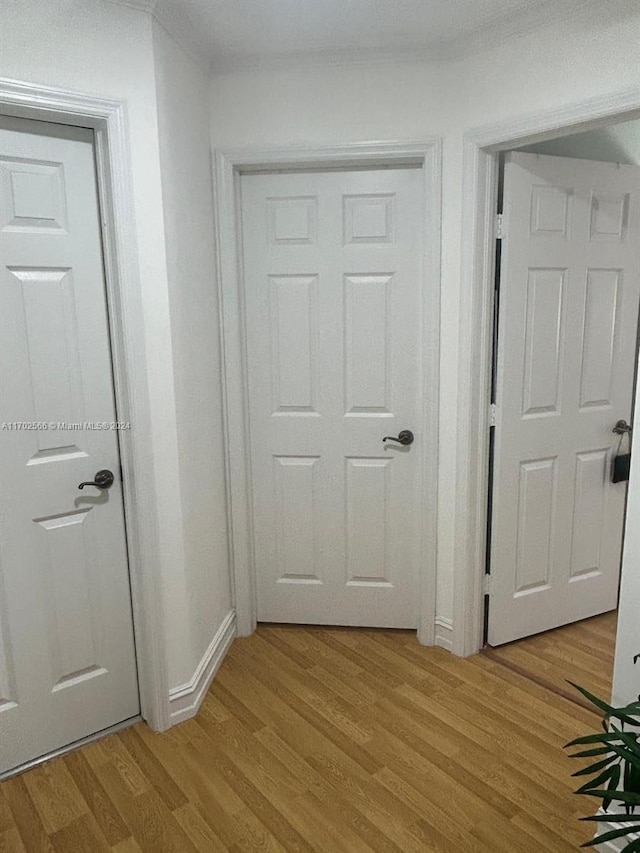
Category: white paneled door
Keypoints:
(333, 296)
(569, 293)
(67, 659)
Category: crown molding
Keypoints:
(141, 5)
(523, 20)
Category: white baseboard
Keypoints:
(185, 700)
(444, 633)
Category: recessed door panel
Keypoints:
(543, 340)
(367, 343)
(592, 485)
(600, 337)
(295, 486)
(293, 318)
(536, 505)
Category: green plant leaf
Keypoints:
(589, 753)
(612, 818)
(632, 759)
(612, 786)
(593, 768)
(605, 776)
(605, 737)
(631, 778)
(622, 714)
(630, 798)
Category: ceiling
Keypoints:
(254, 33)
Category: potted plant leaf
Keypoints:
(614, 773)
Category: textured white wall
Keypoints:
(204, 587)
(546, 69)
(108, 50)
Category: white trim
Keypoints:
(227, 168)
(522, 20)
(185, 700)
(444, 633)
(70, 747)
(109, 121)
(476, 313)
(148, 6)
(492, 32)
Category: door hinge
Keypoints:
(487, 584)
(492, 414)
(499, 226)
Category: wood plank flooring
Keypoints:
(333, 740)
(583, 653)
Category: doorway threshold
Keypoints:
(70, 747)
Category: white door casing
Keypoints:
(333, 294)
(569, 293)
(68, 660)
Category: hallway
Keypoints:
(324, 739)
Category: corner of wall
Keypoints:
(186, 699)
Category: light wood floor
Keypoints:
(332, 740)
(582, 653)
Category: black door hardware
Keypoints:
(621, 428)
(103, 480)
(404, 437)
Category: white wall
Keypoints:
(203, 589)
(574, 61)
(108, 50)
(618, 143)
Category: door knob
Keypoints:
(404, 437)
(103, 480)
(621, 428)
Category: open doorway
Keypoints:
(567, 289)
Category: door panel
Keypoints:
(332, 271)
(69, 659)
(569, 294)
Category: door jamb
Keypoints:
(108, 119)
(228, 167)
(481, 149)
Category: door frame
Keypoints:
(481, 149)
(108, 119)
(228, 167)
